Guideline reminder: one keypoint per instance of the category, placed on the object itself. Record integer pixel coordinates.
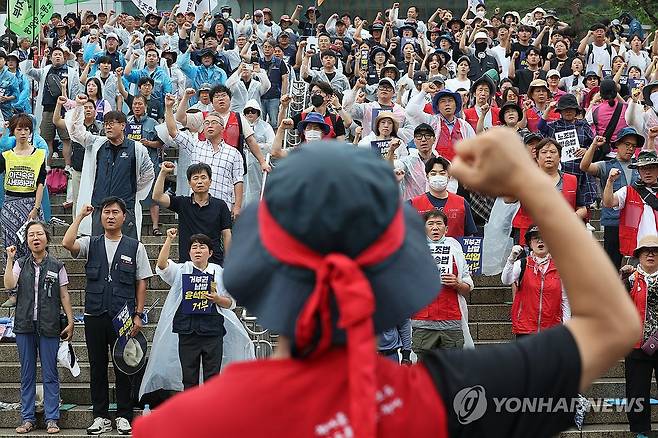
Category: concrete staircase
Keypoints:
(489, 307)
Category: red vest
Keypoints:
(472, 117)
(629, 221)
(639, 297)
(454, 209)
(533, 119)
(328, 120)
(445, 307)
(232, 131)
(445, 144)
(537, 291)
(522, 220)
(408, 402)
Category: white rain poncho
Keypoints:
(163, 370)
(497, 242)
(253, 180)
(414, 182)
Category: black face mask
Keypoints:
(317, 100)
(480, 47)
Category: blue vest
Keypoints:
(275, 76)
(116, 176)
(609, 216)
(110, 287)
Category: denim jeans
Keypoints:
(28, 344)
(271, 109)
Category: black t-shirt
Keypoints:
(542, 366)
(523, 78)
(211, 220)
(521, 48)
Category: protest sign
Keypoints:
(442, 257)
(123, 325)
(635, 84)
(472, 247)
(380, 146)
(195, 288)
(570, 144)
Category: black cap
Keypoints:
(424, 127)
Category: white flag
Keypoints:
(146, 6)
(198, 7)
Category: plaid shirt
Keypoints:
(226, 165)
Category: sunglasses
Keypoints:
(251, 111)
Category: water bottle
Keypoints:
(147, 410)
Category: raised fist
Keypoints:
(11, 252)
(172, 233)
(287, 124)
(167, 167)
(86, 210)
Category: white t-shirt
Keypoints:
(500, 53)
(647, 225)
(601, 56)
(142, 263)
(455, 84)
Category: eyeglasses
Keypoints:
(423, 136)
(110, 125)
(386, 89)
(251, 111)
(212, 122)
(650, 251)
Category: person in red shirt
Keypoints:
(454, 206)
(540, 97)
(361, 268)
(483, 90)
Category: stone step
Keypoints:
(499, 294)
(10, 372)
(603, 431)
(612, 387)
(79, 417)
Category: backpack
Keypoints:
(56, 180)
(590, 51)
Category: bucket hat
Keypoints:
(646, 158)
(313, 117)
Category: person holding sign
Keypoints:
(385, 133)
(637, 202)
(540, 301)
(197, 321)
(575, 135)
(547, 153)
(628, 140)
(117, 269)
(456, 208)
(443, 324)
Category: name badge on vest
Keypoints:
(126, 259)
(134, 131)
(124, 154)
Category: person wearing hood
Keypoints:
(450, 128)
(481, 60)
(483, 89)
(248, 82)
(206, 73)
(264, 135)
(608, 117)
(539, 299)
(22, 103)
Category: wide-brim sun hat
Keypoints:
(650, 241)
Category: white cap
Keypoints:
(132, 353)
(481, 35)
(66, 358)
(553, 73)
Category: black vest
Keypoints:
(110, 287)
(116, 176)
(49, 301)
(211, 324)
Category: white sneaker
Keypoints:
(100, 425)
(123, 426)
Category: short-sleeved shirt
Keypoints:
(210, 219)
(143, 266)
(63, 281)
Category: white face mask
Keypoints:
(312, 135)
(225, 15)
(654, 99)
(438, 182)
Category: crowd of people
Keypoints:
(238, 96)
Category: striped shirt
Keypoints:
(225, 163)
